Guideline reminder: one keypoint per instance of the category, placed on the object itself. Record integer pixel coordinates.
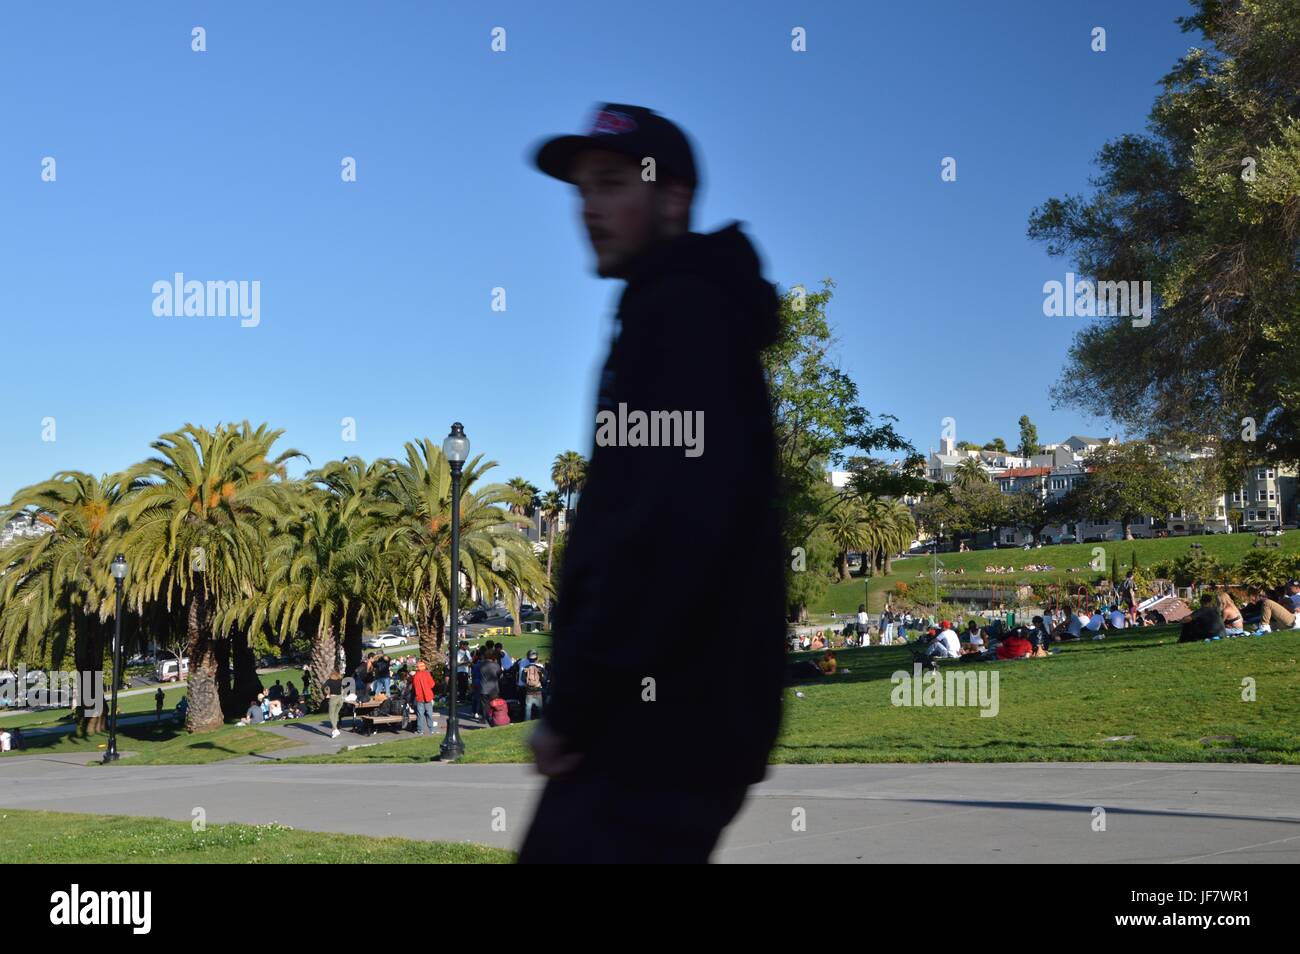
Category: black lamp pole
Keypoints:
(119, 574)
(455, 448)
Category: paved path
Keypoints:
(1029, 812)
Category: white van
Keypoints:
(165, 670)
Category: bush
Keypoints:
(1266, 568)
(1196, 568)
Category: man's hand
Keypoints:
(554, 758)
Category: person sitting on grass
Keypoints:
(1076, 623)
(1015, 645)
(1205, 624)
(291, 696)
(1272, 614)
(256, 714)
(828, 663)
(972, 640)
(1292, 601)
(1116, 619)
(945, 645)
(1094, 625)
(1232, 620)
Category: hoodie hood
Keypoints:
(726, 258)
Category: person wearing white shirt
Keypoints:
(863, 621)
(1077, 622)
(946, 645)
(1117, 619)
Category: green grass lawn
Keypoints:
(1168, 697)
(844, 597)
(151, 743)
(165, 744)
(134, 705)
(65, 838)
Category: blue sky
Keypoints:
(375, 297)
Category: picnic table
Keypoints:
(363, 712)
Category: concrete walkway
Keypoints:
(1030, 812)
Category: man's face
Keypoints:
(618, 208)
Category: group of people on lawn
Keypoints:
(277, 702)
(493, 681)
(1263, 611)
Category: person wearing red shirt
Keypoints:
(1015, 646)
(422, 686)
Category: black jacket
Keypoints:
(673, 569)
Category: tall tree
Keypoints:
(55, 587)
(551, 505)
(569, 472)
(1028, 437)
(196, 530)
(1204, 208)
(413, 529)
(1125, 482)
(818, 423)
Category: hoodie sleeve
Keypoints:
(654, 520)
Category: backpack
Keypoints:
(533, 678)
(500, 712)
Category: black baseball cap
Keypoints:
(631, 130)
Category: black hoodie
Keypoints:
(669, 633)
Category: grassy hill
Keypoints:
(1228, 548)
(1127, 698)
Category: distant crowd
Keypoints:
(498, 688)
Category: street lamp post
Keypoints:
(456, 449)
(119, 574)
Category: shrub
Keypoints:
(1266, 568)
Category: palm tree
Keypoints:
(551, 506)
(413, 530)
(522, 500)
(318, 571)
(848, 528)
(969, 473)
(354, 485)
(55, 588)
(197, 530)
(569, 472)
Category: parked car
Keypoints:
(477, 615)
(384, 641)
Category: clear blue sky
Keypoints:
(376, 294)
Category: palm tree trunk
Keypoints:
(324, 660)
(353, 632)
(431, 630)
(204, 712)
(247, 683)
(844, 564)
(89, 646)
(518, 628)
(550, 559)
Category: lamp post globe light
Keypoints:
(456, 449)
(118, 568)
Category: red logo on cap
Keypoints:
(609, 122)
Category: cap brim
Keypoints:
(555, 156)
